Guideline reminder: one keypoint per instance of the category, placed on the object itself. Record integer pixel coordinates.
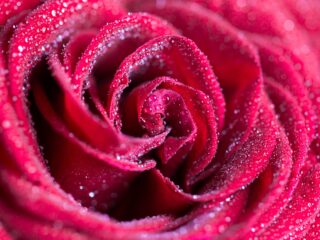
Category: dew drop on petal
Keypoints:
(91, 194)
(6, 124)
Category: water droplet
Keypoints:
(6, 124)
(288, 25)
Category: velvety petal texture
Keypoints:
(159, 119)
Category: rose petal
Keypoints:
(293, 123)
(253, 157)
(185, 54)
(303, 205)
(265, 190)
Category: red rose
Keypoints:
(145, 119)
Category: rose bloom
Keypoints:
(167, 119)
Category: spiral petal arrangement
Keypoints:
(150, 119)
